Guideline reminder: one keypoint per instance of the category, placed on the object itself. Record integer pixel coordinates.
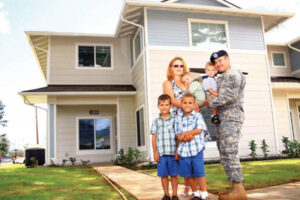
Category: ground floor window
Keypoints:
(140, 127)
(94, 134)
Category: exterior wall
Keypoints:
(68, 108)
(170, 28)
(63, 62)
(138, 80)
(259, 121)
(295, 57)
(202, 2)
(279, 71)
(287, 120)
(294, 103)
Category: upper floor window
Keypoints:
(98, 56)
(137, 45)
(278, 59)
(208, 33)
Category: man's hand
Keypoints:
(156, 157)
(176, 156)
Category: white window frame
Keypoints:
(95, 45)
(94, 151)
(136, 57)
(298, 114)
(284, 58)
(190, 20)
(141, 148)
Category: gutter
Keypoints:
(27, 102)
(145, 72)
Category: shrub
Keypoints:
(285, 141)
(128, 160)
(253, 148)
(72, 160)
(64, 161)
(84, 162)
(264, 148)
(292, 148)
(33, 162)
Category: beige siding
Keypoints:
(282, 115)
(279, 71)
(63, 62)
(294, 103)
(67, 131)
(258, 112)
(138, 80)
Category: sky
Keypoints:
(19, 70)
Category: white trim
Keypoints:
(136, 61)
(284, 59)
(68, 34)
(298, 115)
(135, 58)
(77, 93)
(289, 116)
(118, 119)
(101, 102)
(95, 67)
(94, 151)
(48, 78)
(148, 88)
(55, 142)
(48, 136)
(198, 49)
(270, 89)
(141, 148)
(190, 20)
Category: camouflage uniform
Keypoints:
(230, 109)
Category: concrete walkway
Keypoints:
(147, 187)
(141, 186)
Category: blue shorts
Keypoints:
(167, 166)
(192, 166)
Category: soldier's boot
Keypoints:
(237, 193)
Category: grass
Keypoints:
(18, 182)
(257, 174)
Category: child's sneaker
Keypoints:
(185, 192)
(165, 197)
(215, 119)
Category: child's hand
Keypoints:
(176, 156)
(156, 157)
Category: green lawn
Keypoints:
(257, 174)
(18, 182)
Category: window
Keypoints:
(140, 127)
(94, 134)
(206, 33)
(94, 56)
(278, 59)
(137, 45)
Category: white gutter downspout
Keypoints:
(270, 90)
(145, 71)
(294, 48)
(27, 102)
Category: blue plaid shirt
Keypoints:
(165, 135)
(184, 124)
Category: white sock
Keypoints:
(196, 194)
(204, 195)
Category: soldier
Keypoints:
(231, 86)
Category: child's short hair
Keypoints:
(210, 64)
(188, 95)
(164, 97)
(187, 74)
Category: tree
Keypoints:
(2, 121)
(4, 144)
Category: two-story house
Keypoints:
(102, 89)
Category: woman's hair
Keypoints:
(169, 71)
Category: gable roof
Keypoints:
(224, 2)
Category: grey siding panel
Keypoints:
(51, 124)
(170, 28)
(202, 2)
(295, 57)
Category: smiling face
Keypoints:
(187, 104)
(222, 63)
(177, 68)
(164, 106)
(210, 70)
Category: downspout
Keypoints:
(145, 71)
(270, 90)
(294, 48)
(27, 102)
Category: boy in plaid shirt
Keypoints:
(164, 146)
(190, 128)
